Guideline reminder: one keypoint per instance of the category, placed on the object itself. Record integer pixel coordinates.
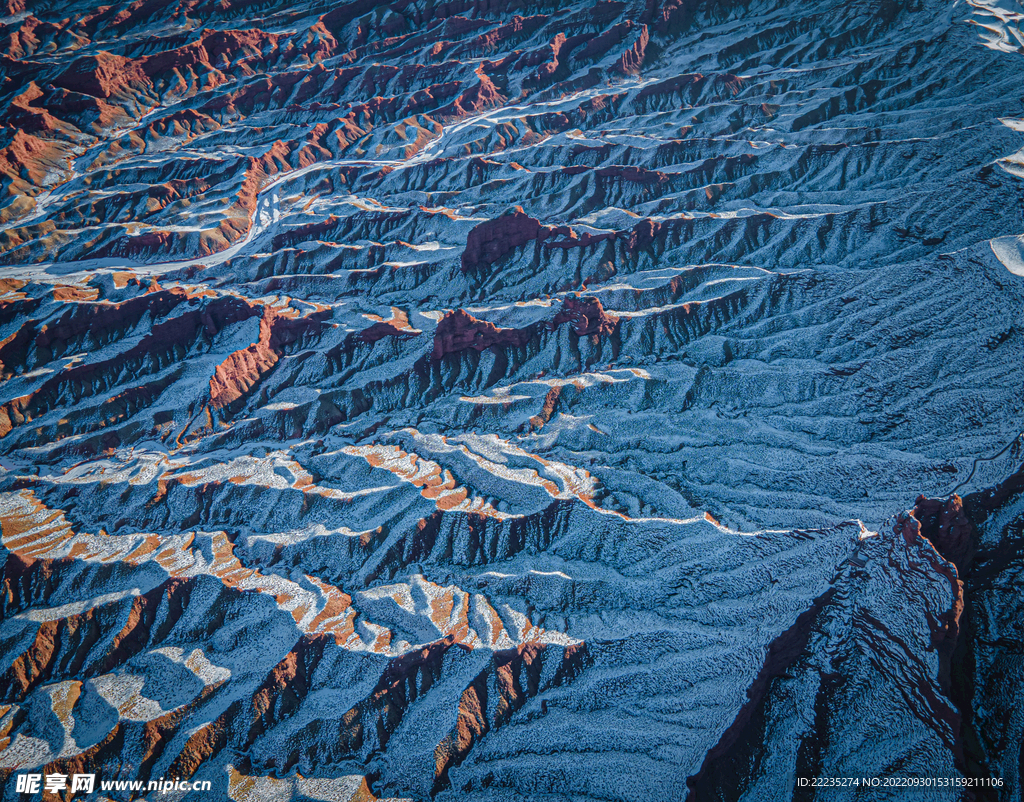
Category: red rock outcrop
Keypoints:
(945, 524)
(549, 60)
(575, 240)
(643, 234)
(241, 371)
(459, 330)
(12, 7)
(491, 240)
(636, 175)
(943, 518)
(670, 16)
(547, 409)
(586, 315)
(396, 326)
(30, 159)
(477, 98)
(633, 58)
(103, 75)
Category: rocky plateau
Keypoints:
(492, 400)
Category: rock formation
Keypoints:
(493, 401)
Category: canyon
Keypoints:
(494, 400)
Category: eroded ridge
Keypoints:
(481, 401)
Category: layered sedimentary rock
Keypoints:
(500, 401)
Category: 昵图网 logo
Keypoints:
(86, 784)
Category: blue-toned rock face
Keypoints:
(512, 401)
